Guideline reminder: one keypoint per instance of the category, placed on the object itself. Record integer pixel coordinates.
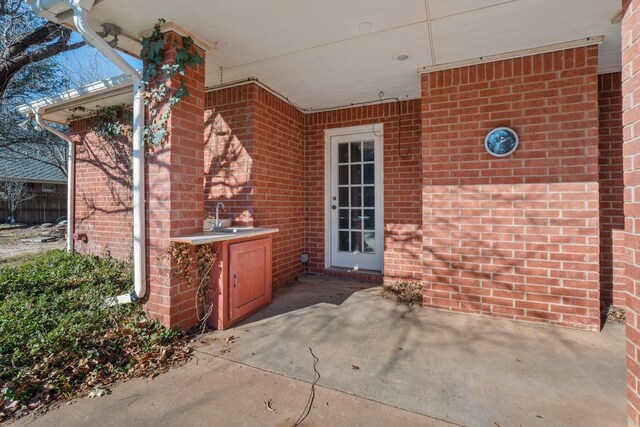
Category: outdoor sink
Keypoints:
(225, 234)
(234, 230)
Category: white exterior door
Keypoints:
(355, 231)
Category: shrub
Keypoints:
(59, 337)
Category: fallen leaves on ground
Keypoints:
(61, 339)
(404, 292)
(616, 315)
(98, 392)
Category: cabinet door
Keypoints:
(249, 277)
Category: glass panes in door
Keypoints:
(356, 197)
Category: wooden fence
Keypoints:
(45, 207)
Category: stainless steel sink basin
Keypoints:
(230, 233)
(232, 230)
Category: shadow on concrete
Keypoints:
(470, 370)
(308, 291)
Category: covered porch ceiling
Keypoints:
(334, 52)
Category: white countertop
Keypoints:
(217, 236)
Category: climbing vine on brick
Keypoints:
(113, 123)
(158, 94)
(201, 259)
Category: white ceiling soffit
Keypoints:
(522, 24)
(336, 52)
(344, 72)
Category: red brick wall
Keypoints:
(229, 141)
(174, 189)
(256, 162)
(516, 237)
(631, 153)
(279, 181)
(618, 267)
(402, 207)
(103, 194)
(257, 169)
(611, 183)
(269, 170)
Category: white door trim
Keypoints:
(328, 133)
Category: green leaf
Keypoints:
(152, 54)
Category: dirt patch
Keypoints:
(13, 250)
(13, 234)
(404, 292)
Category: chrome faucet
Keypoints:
(217, 225)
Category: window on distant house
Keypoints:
(48, 188)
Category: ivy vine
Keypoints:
(114, 127)
(156, 78)
(113, 123)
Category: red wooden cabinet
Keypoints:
(249, 277)
(241, 280)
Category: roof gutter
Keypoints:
(71, 175)
(81, 21)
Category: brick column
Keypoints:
(631, 153)
(174, 196)
(612, 290)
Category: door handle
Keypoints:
(235, 280)
(333, 207)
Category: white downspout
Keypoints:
(71, 178)
(81, 22)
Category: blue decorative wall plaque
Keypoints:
(501, 142)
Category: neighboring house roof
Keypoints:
(15, 166)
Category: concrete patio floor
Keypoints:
(380, 363)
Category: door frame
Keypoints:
(378, 128)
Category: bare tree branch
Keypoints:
(24, 42)
(14, 192)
